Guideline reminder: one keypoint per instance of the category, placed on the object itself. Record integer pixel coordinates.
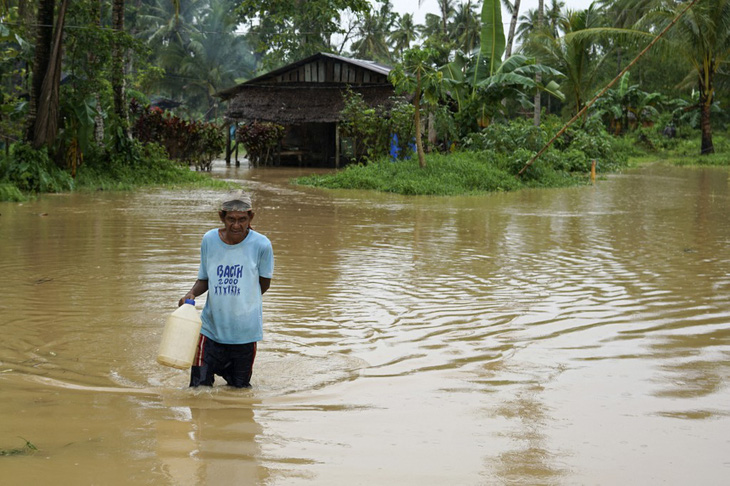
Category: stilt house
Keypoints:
(306, 97)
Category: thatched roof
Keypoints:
(300, 104)
(308, 91)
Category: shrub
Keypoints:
(8, 192)
(374, 130)
(520, 140)
(31, 170)
(259, 139)
(190, 142)
(139, 165)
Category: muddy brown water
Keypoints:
(571, 336)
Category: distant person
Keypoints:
(236, 266)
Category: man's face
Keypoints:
(236, 222)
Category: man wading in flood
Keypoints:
(236, 266)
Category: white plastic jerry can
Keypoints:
(180, 337)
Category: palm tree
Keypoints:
(446, 8)
(404, 35)
(537, 100)
(624, 14)
(515, 12)
(571, 54)
(160, 23)
(702, 39)
(371, 38)
(466, 26)
(527, 24)
(214, 58)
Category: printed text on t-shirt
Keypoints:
(228, 276)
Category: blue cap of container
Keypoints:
(190, 301)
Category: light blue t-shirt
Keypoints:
(233, 310)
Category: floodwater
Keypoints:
(547, 337)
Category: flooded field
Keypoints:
(548, 337)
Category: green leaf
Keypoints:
(492, 40)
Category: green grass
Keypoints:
(162, 173)
(683, 152)
(29, 172)
(462, 173)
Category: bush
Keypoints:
(259, 139)
(8, 192)
(520, 140)
(374, 130)
(139, 165)
(32, 171)
(190, 142)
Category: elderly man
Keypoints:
(236, 266)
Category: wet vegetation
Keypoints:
(28, 448)
(141, 108)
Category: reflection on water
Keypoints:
(574, 336)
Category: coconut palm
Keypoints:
(216, 58)
(514, 10)
(702, 39)
(447, 10)
(161, 23)
(573, 55)
(404, 34)
(371, 37)
(528, 22)
(466, 26)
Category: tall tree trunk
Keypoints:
(512, 27)
(432, 133)
(46, 121)
(538, 76)
(98, 118)
(417, 121)
(706, 96)
(43, 46)
(117, 69)
(443, 5)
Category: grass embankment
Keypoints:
(461, 173)
(28, 172)
(493, 170)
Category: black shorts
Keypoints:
(233, 362)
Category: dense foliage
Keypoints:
(377, 131)
(260, 140)
(474, 172)
(471, 85)
(190, 142)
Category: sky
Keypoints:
(431, 6)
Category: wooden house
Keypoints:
(306, 97)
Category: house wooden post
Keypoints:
(337, 145)
(238, 164)
(228, 145)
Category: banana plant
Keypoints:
(481, 78)
(627, 105)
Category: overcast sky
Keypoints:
(431, 6)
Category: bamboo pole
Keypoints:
(606, 88)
